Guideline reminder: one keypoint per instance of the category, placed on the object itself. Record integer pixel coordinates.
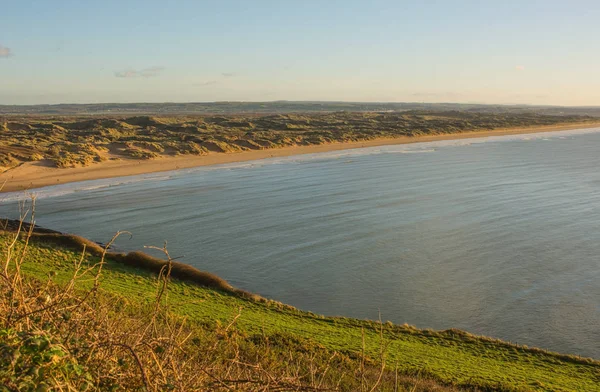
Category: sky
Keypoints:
(485, 51)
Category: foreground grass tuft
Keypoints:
(61, 329)
(72, 318)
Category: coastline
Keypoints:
(31, 175)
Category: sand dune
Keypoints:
(32, 175)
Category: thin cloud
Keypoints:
(127, 74)
(143, 73)
(447, 94)
(152, 71)
(207, 83)
(5, 52)
(520, 67)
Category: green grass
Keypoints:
(450, 356)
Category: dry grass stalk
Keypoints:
(66, 338)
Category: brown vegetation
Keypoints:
(72, 142)
(138, 259)
(60, 336)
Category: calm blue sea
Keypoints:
(497, 236)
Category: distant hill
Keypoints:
(275, 107)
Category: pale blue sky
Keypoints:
(538, 52)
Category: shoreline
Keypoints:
(32, 175)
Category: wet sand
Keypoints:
(32, 175)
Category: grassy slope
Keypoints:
(453, 357)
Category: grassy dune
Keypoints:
(441, 359)
(81, 141)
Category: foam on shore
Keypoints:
(411, 148)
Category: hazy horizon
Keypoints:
(301, 101)
(514, 52)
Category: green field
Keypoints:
(452, 357)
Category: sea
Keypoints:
(498, 236)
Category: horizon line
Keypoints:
(303, 101)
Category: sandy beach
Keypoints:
(33, 175)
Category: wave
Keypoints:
(417, 151)
(412, 148)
